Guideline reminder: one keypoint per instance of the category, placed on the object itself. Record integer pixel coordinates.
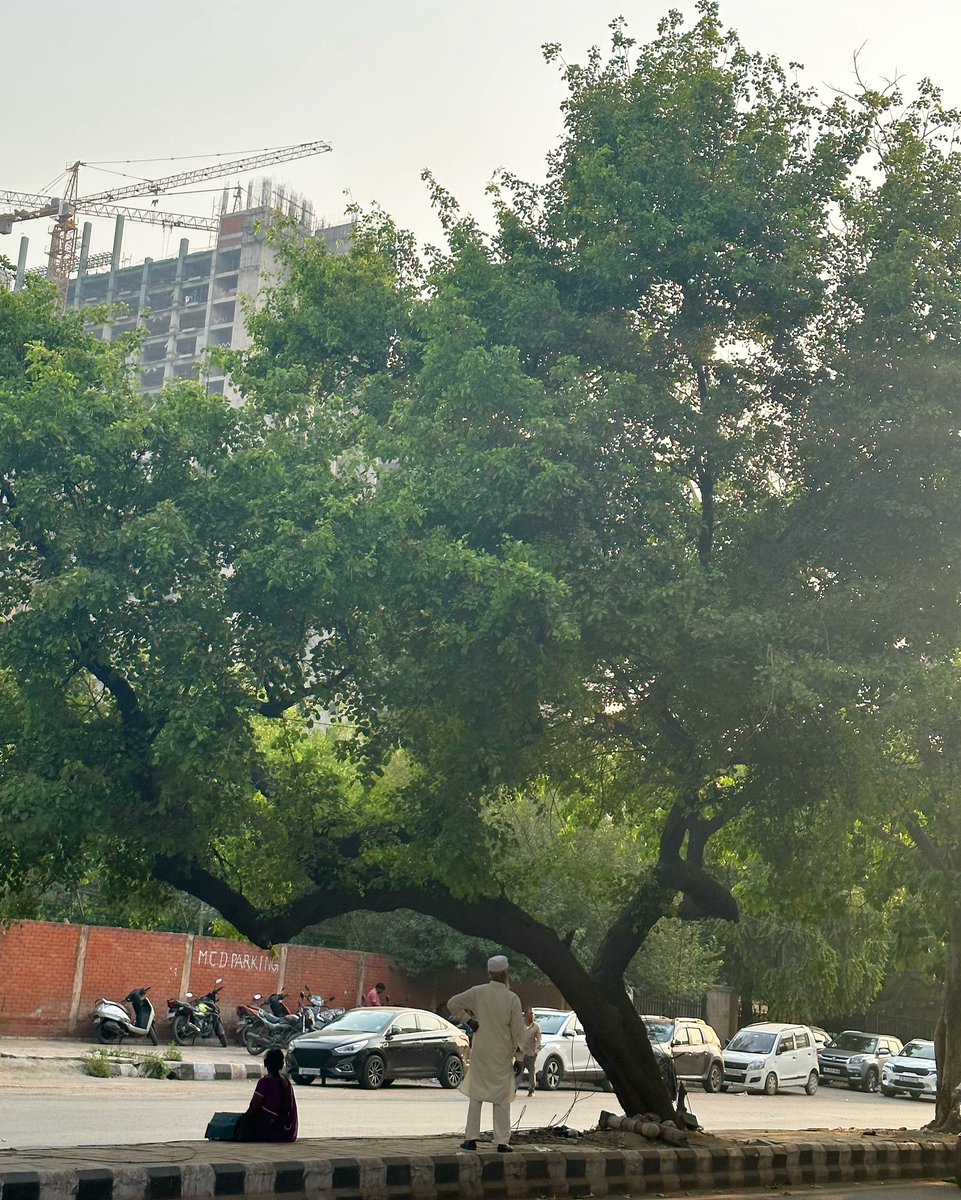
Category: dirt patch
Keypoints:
(615, 1139)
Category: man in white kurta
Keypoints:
(499, 1035)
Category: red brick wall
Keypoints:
(51, 975)
(37, 962)
(119, 960)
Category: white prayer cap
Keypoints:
(497, 964)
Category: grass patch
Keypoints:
(173, 1054)
(98, 1063)
(153, 1066)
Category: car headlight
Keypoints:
(856, 1061)
(756, 1064)
(351, 1047)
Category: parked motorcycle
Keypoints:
(248, 1014)
(278, 1026)
(114, 1022)
(191, 1019)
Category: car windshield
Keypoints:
(361, 1020)
(660, 1031)
(918, 1050)
(550, 1022)
(752, 1041)
(859, 1043)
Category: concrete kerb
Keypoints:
(433, 1169)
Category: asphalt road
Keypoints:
(50, 1103)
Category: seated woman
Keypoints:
(272, 1113)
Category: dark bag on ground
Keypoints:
(226, 1127)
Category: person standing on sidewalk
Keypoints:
(532, 1047)
(500, 1033)
(377, 996)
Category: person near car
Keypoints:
(500, 1034)
(531, 1047)
(378, 995)
(271, 1115)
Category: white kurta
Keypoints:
(500, 1034)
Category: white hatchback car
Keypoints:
(564, 1054)
(914, 1071)
(768, 1057)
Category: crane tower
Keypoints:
(62, 257)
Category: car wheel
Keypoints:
(889, 1092)
(725, 1087)
(183, 1035)
(452, 1072)
(770, 1084)
(812, 1084)
(871, 1080)
(303, 1080)
(552, 1074)
(714, 1079)
(373, 1072)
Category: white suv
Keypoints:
(564, 1053)
(767, 1057)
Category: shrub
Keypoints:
(98, 1063)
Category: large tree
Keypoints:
(578, 502)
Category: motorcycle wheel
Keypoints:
(256, 1043)
(183, 1035)
(152, 1034)
(220, 1032)
(107, 1035)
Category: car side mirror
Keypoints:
(569, 1033)
(883, 1052)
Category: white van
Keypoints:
(767, 1057)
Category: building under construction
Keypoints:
(190, 304)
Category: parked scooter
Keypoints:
(191, 1019)
(114, 1022)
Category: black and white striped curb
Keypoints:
(196, 1071)
(183, 1070)
(529, 1172)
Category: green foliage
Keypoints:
(153, 1066)
(98, 1063)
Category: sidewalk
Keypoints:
(436, 1169)
(205, 1061)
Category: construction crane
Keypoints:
(62, 257)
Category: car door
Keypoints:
(786, 1059)
(436, 1040)
(576, 1045)
(404, 1047)
(697, 1053)
(681, 1050)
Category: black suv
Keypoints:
(856, 1059)
(692, 1045)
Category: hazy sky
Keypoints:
(458, 87)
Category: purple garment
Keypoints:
(274, 1119)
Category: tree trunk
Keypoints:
(947, 1037)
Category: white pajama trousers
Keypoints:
(502, 1121)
